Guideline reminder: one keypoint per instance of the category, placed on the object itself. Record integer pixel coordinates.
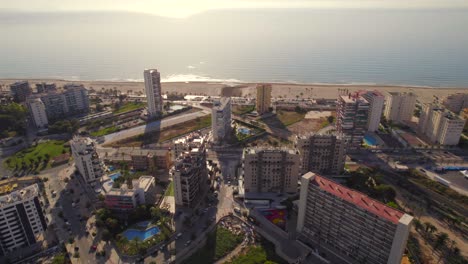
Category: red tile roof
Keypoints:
(359, 199)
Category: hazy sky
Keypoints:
(183, 8)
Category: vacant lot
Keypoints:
(282, 119)
(130, 106)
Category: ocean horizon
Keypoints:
(426, 48)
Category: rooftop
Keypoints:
(220, 104)
(26, 193)
(353, 98)
(357, 198)
(268, 150)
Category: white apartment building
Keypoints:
(22, 222)
(349, 226)
(87, 160)
(127, 198)
(38, 113)
(441, 126)
(324, 154)
(153, 92)
(263, 102)
(376, 104)
(399, 107)
(71, 100)
(270, 170)
(221, 120)
(189, 172)
(351, 119)
(456, 102)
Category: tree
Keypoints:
(429, 228)
(106, 235)
(441, 240)
(112, 223)
(99, 108)
(330, 119)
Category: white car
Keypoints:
(178, 236)
(188, 243)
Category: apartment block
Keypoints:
(221, 120)
(399, 107)
(376, 104)
(37, 111)
(189, 172)
(151, 160)
(456, 102)
(87, 160)
(127, 198)
(69, 101)
(351, 119)
(324, 154)
(349, 226)
(22, 222)
(45, 87)
(153, 92)
(270, 170)
(263, 102)
(20, 91)
(440, 125)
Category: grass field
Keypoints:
(104, 131)
(258, 254)
(219, 243)
(36, 157)
(130, 106)
(166, 134)
(242, 109)
(289, 117)
(170, 189)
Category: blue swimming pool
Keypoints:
(370, 140)
(244, 130)
(131, 234)
(115, 176)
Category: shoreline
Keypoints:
(242, 89)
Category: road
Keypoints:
(153, 126)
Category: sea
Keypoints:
(341, 46)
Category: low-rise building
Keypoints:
(22, 222)
(348, 226)
(87, 160)
(270, 170)
(127, 198)
(324, 154)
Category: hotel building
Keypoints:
(153, 92)
(324, 154)
(263, 102)
(399, 107)
(351, 119)
(376, 104)
(221, 120)
(348, 226)
(127, 198)
(189, 172)
(22, 222)
(87, 160)
(270, 170)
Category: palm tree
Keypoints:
(429, 228)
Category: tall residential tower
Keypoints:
(153, 92)
(263, 102)
(351, 119)
(221, 120)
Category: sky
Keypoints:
(185, 8)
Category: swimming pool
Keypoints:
(370, 140)
(131, 234)
(115, 176)
(244, 130)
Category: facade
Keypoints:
(87, 160)
(189, 172)
(127, 198)
(263, 102)
(456, 102)
(20, 91)
(153, 92)
(441, 126)
(376, 104)
(151, 160)
(45, 87)
(324, 154)
(221, 120)
(399, 107)
(351, 119)
(22, 222)
(37, 111)
(270, 170)
(72, 100)
(353, 227)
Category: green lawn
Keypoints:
(219, 243)
(242, 109)
(37, 157)
(258, 254)
(289, 117)
(170, 189)
(104, 131)
(127, 107)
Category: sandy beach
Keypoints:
(289, 90)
